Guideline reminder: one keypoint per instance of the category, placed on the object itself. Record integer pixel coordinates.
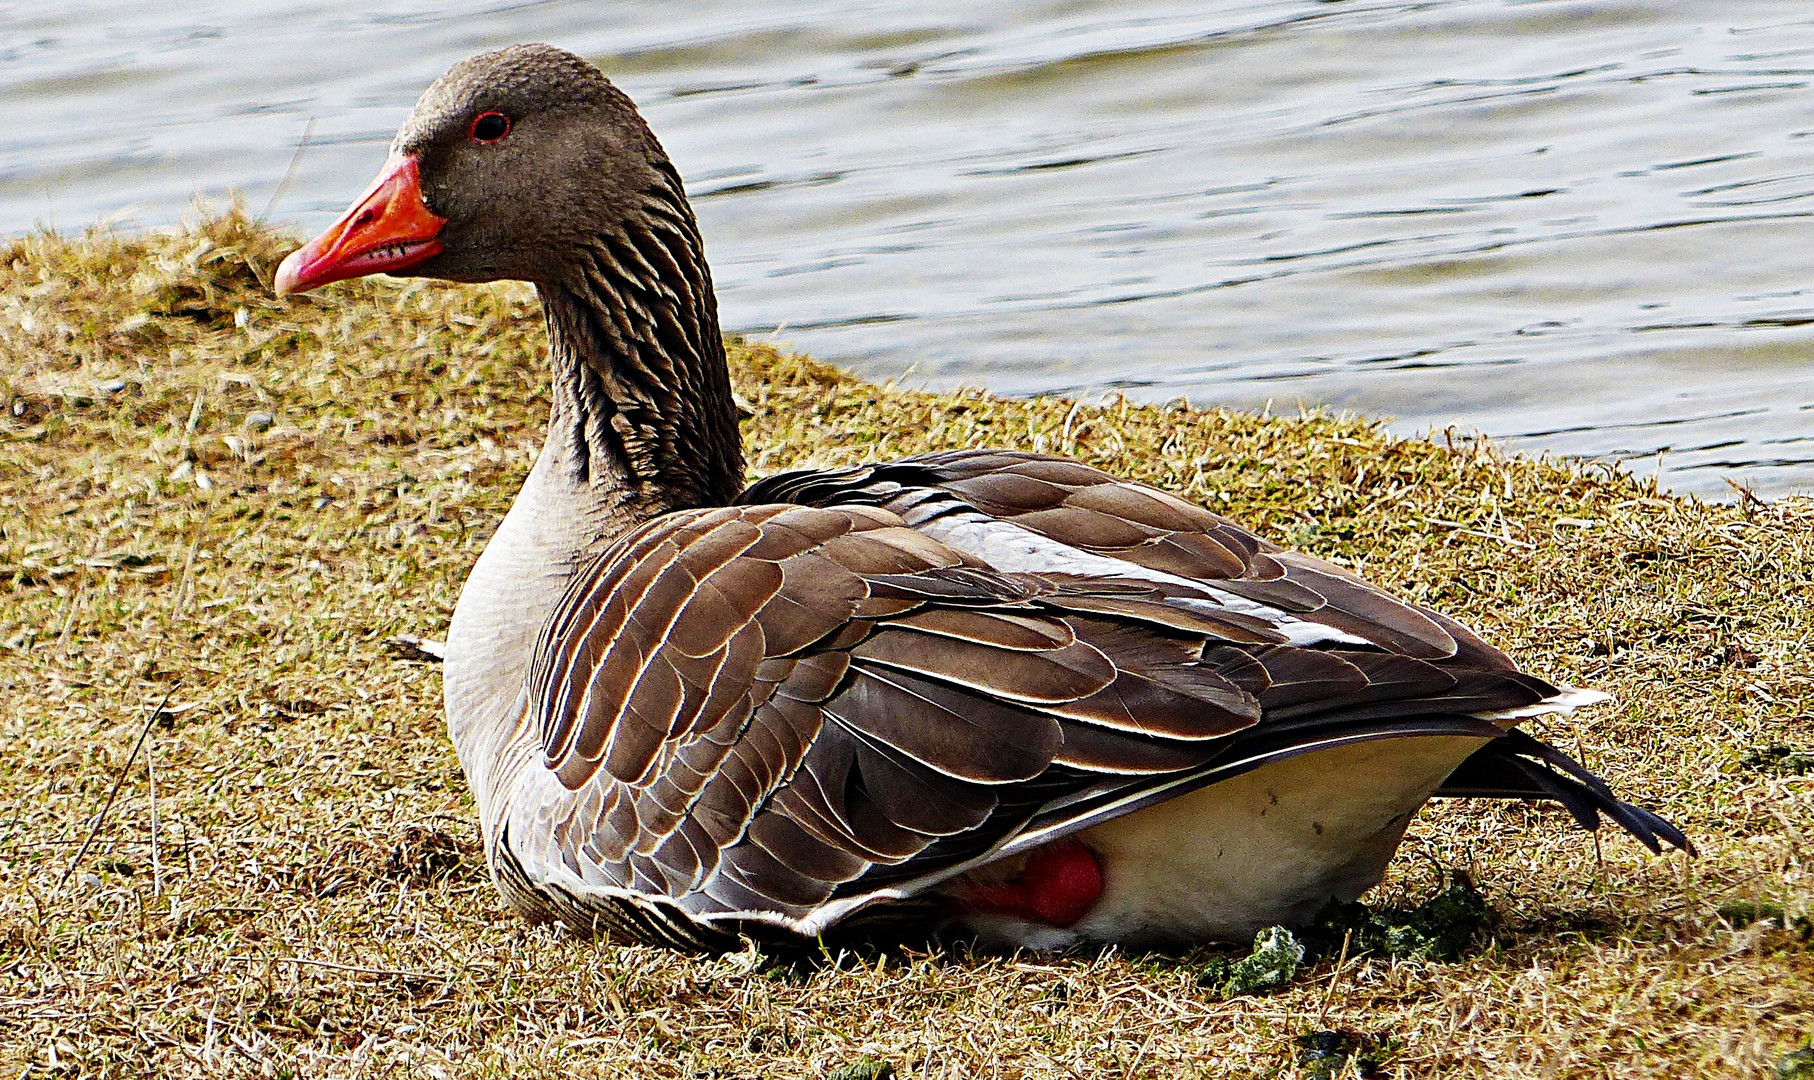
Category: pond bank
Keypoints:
(226, 504)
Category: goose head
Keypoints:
(527, 164)
(507, 166)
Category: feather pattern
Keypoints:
(691, 710)
(783, 712)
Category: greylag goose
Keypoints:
(1001, 692)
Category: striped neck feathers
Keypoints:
(642, 396)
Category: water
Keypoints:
(1579, 227)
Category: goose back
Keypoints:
(850, 687)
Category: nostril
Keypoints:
(365, 218)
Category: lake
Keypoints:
(1582, 228)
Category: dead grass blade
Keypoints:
(114, 793)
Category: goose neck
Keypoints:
(641, 392)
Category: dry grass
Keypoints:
(232, 502)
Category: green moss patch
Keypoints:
(1440, 928)
(1271, 965)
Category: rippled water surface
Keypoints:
(1582, 227)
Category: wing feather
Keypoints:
(1052, 674)
(821, 693)
(945, 729)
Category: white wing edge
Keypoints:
(1565, 701)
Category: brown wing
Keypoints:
(749, 708)
(1087, 509)
(1326, 655)
(777, 712)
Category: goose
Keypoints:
(997, 694)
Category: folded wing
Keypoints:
(858, 682)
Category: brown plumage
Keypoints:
(691, 709)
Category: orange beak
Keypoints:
(388, 228)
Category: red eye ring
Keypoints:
(489, 127)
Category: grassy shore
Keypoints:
(224, 505)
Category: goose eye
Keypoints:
(490, 127)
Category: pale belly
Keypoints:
(1269, 847)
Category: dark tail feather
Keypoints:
(1518, 766)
